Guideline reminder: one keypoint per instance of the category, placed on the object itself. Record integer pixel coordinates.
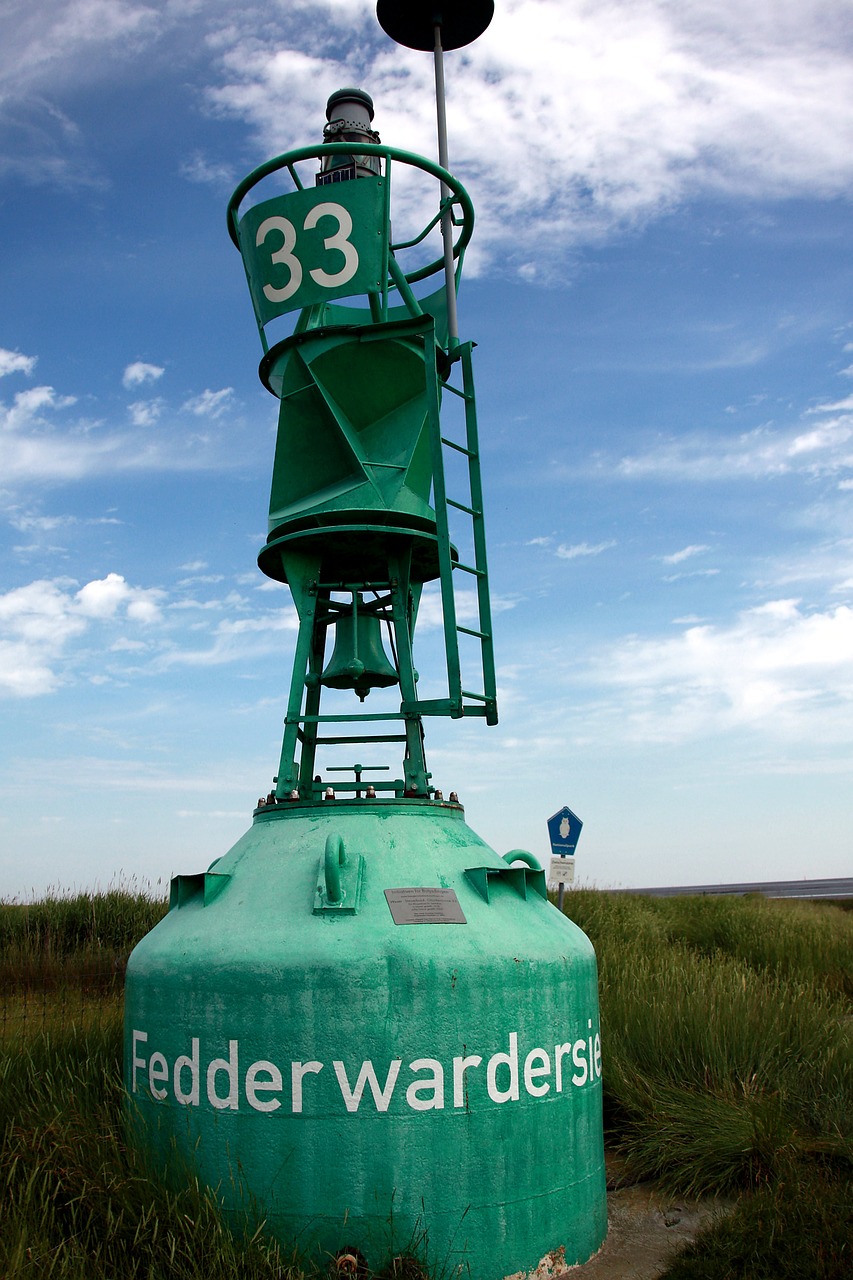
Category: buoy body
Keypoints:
(429, 1088)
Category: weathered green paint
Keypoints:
(257, 971)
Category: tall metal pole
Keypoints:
(446, 221)
(437, 25)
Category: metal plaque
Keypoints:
(425, 906)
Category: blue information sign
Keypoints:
(564, 830)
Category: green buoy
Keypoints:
(362, 1026)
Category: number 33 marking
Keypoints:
(285, 256)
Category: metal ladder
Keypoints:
(479, 703)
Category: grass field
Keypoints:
(728, 1069)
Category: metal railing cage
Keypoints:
(392, 277)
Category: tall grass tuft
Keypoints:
(62, 924)
(803, 940)
(729, 1069)
(717, 1076)
(75, 938)
(76, 1201)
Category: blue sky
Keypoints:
(660, 290)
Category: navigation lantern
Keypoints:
(361, 995)
(349, 114)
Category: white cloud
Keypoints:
(236, 639)
(36, 446)
(201, 579)
(566, 118)
(27, 459)
(103, 597)
(29, 523)
(582, 549)
(430, 615)
(212, 815)
(24, 459)
(40, 527)
(684, 554)
(823, 449)
(569, 118)
(693, 573)
(41, 611)
(138, 373)
(777, 668)
(830, 435)
(837, 406)
(33, 448)
(39, 620)
(815, 567)
(25, 409)
(210, 404)
(24, 671)
(199, 169)
(47, 44)
(143, 413)
(14, 362)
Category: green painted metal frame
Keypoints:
(303, 720)
(464, 220)
(312, 597)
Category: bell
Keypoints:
(358, 661)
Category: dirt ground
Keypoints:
(645, 1228)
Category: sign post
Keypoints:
(564, 829)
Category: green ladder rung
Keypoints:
(463, 395)
(460, 448)
(467, 568)
(460, 506)
(480, 635)
(360, 738)
(358, 718)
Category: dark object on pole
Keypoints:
(413, 22)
